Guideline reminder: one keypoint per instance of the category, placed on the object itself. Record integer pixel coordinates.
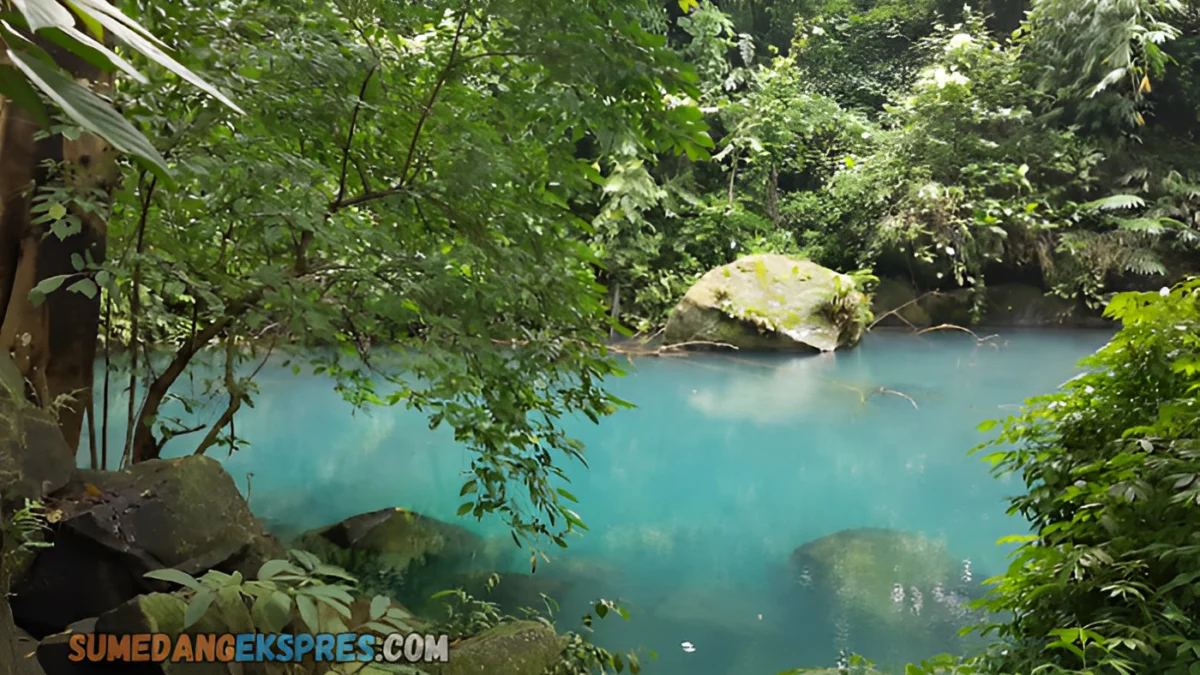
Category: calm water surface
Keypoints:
(697, 498)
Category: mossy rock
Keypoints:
(891, 596)
(516, 648)
(771, 302)
(178, 510)
(1023, 306)
(181, 513)
(950, 307)
(159, 613)
(34, 458)
(396, 552)
(900, 297)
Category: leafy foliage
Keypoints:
(434, 218)
(1108, 580)
(299, 591)
(27, 69)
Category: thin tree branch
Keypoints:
(405, 176)
(362, 93)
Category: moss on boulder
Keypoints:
(516, 648)
(771, 302)
(178, 510)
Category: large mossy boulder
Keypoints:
(116, 526)
(891, 596)
(516, 648)
(771, 302)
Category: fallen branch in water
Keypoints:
(896, 312)
(893, 392)
(950, 326)
(706, 343)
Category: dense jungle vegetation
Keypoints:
(442, 177)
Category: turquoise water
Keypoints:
(697, 498)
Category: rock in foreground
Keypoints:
(517, 648)
(771, 302)
(116, 526)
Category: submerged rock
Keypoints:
(891, 596)
(902, 299)
(396, 552)
(513, 592)
(771, 302)
(516, 648)
(116, 526)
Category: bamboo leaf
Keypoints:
(90, 111)
(150, 50)
(44, 14)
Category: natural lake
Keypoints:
(697, 498)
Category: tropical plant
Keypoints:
(300, 591)
(343, 213)
(1109, 578)
(62, 133)
(1107, 55)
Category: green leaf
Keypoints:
(1114, 202)
(334, 571)
(273, 567)
(95, 53)
(465, 509)
(139, 40)
(336, 592)
(14, 87)
(987, 425)
(336, 605)
(307, 560)
(308, 612)
(378, 627)
(90, 111)
(567, 495)
(198, 606)
(272, 611)
(40, 14)
(379, 606)
(37, 294)
(85, 286)
(174, 576)
(87, 20)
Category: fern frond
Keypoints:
(1143, 261)
(1115, 203)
